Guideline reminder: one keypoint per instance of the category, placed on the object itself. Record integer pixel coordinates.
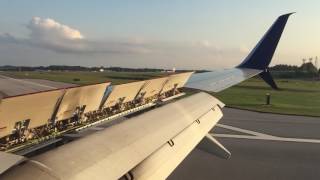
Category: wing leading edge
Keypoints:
(255, 63)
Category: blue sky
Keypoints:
(175, 33)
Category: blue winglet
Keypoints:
(260, 57)
(256, 63)
(266, 76)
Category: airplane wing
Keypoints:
(152, 144)
(256, 63)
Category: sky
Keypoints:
(182, 34)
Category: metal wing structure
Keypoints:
(111, 132)
(255, 63)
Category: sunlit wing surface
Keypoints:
(147, 146)
(163, 161)
(89, 96)
(33, 109)
(220, 79)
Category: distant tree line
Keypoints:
(306, 70)
(74, 68)
(83, 68)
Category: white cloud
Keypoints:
(56, 43)
(49, 29)
(49, 34)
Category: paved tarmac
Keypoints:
(263, 146)
(13, 87)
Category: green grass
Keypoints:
(86, 77)
(294, 97)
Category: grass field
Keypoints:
(294, 97)
(83, 78)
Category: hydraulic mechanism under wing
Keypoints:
(152, 144)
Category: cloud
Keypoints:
(49, 29)
(7, 38)
(51, 35)
(52, 42)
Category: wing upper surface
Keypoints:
(220, 79)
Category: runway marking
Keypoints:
(243, 130)
(260, 136)
(29, 82)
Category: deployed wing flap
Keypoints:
(162, 162)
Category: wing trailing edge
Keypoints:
(162, 162)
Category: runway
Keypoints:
(263, 146)
(13, 87)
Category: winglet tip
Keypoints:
(287, 14)
(261, 55)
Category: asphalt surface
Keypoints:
(14, 87)
(263, 146)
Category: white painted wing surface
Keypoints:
(111, 153)
(219, 80)
(161, 163)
